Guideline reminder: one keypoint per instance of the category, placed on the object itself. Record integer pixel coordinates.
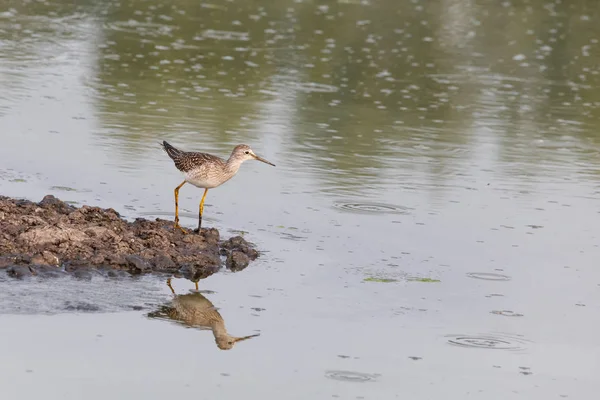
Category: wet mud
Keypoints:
(52, 238)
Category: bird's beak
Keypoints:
(239, 339)
(262, 159)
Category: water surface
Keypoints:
(430, 227)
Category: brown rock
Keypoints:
(51, 235)
(240, 244)
(237, 261)
(39, 237)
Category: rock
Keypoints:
(138, 264)
(18, 271)
(240, 244)
(195, 272)
(163, 263)
(46, 271)
(40, 238)
(83, 273)
(51, 202)
(45, 258)
(237, 261)
(117, 274)
(50, 258)
(7, 261)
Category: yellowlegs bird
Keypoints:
(195, 310)
(206, 171)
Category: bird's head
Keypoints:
(226, 342)
(243, 152)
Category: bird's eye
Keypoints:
(246, 152)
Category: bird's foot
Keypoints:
(180, 228)
(197, 230)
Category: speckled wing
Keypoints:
(188, 161)
(196, 310)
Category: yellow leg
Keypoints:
(169, 285)
(177, 207)
(201, 211)
(196, 285)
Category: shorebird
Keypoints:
(206, 171)
(196, 311)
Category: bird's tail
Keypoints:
(171, 151)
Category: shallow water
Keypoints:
(415, 141)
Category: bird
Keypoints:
(206, 171)
(196, 311)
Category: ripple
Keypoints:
(226, 35)
(370, 208)
(133, 26)
(493, 342)
(314, 87)
(69, 189)
(488, 276)
(506, 313)
(289, 236)
(350, 376)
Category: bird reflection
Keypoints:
(196, 311)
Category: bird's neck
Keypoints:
(218, 328)
(232, 165)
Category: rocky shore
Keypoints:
(53, 238)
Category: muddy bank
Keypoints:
(53, 238)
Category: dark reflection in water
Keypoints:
(194, 310)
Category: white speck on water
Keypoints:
(428, 39)
(519, 57)
(10, 13)
(585, 50)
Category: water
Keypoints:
(453, 141)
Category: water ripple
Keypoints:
(493, 342)
(370, 208)
(488, 276)
(350, 376)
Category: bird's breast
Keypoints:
(207, 179)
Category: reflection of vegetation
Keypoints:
(425, 280)
(367, 95)
(410, 279)
(381, 280)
